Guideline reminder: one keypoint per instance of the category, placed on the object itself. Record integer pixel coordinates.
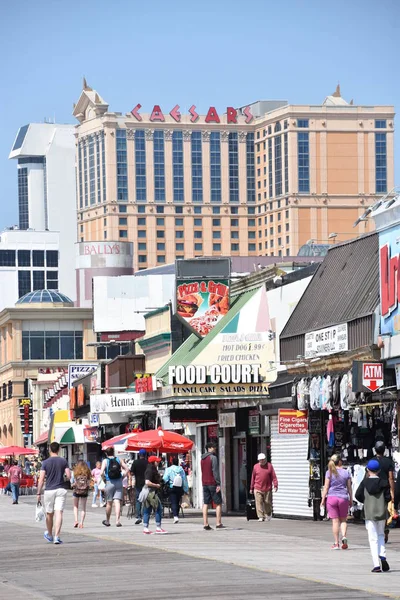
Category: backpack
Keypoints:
(81, 486)
(114, 468)
(177, 482)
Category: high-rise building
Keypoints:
(264, 179)
(28, 262)
(47, 189)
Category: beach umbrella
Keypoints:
(17, 450)
(119, 442)
(158, 439)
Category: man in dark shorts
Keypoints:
(138, 469)
(54, 469)
(386, 473)
(211, 485)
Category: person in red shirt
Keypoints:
(262, 480)
(15, 476)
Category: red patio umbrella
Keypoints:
(118, 440)
(158, 439)
(17, 450)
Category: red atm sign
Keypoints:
(373, 376)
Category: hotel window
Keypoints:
(302, 123)
(235, 247)
(287, 239)
(103, 164)
(278, 165)
(92, 178)
(271, 231)
(303, 153)
(198, 223)
(286, 214)
(24, 258)
(38, 281)
(234, 210)
(380, 162)
(140, 164)
(197, 235)
(121, 221)
(85, 173)
(123, 234)
(271, 243)
(251, 181)
(269, 129)
(141, 210)
(287, 227)
(141, 221)
(215, 166)
(160, 210)
(234, 222)
(216, 235)
(279, 228)
(80, 176)
(52, 258)
(217, 247)
(142, 258)
(177, 165)
(252, 235)
(122, 166)
(53, 342)
(234, 235)
(251, 222)
(178, 210)
(161, 258)
(52, 280)
(160, 234)
(142, 246)
(270, 167)
(160, 246)
(258, 160)
(104, 235)
(233, 151)
(285, 124)
(380, 124)
(279, 241)
(98, 170)
(38, 258)
(198, 247)
(24, 283)
(216, 222)
(7, 258)
(178, 222)
(122, 208)
(216, 210)
(252, 247)
(23, 198)
(179, 235)
(251, 210)
(286, 160)
(159, 166)
(160, 221)
(197, 210)
(197, 167)
(279, 216)
(179, 247)
(141, 233)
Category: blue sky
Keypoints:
(217, 53)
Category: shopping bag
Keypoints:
(101, 485)
(39, 512)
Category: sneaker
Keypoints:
(48, 537)
(105, 523)
(57, 540)
(207, 528)
(385, 564)
(268, 518)
(344, 544)
(335, 547)
(147, 531)
(376, 570)
(138, 521)
(261, 519)
(176, 520)
(161, 531)
(220, 526)
(94, 506)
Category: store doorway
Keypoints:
(240, 472)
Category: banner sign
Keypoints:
(114, 403)
(326, 341)
(389, 274)
(202, 303)
(145, 383)
(292, 422)
(78, 370)
(26, 415)
(227, 419)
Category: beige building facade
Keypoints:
(260, 180)
(36, 338)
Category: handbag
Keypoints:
(39, 512)
(101, 485)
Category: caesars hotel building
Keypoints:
(260, 180)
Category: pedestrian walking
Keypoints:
(211, 481)
(96, 475)
(15, 476)
(374, 494)
(138, 469)
(113, 469)
(55, 469)
(386, 474)
(152, 479)
(82, 477)
(263, 479)
(338, 495)
(176, 480)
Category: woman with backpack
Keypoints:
(80, 485)
(176, 480)
(113, 469)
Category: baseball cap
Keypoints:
(142, 451)
(261, 456)
(153, 459)
(373, 465)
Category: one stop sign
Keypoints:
(373, 376)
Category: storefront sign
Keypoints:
(94, 419)
(199, 374)
(157, 115)
(112, 403)
(202, 303)
(26, 415)
(292, 422)
(90, 434)
(78, 370)
(389, 267)
(145, 382)
(254, 422)
(227, 419)
(218, 390)
(326, 341)
(188, 415)
(373, 376)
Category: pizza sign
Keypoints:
(202, 303)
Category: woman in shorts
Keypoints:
(80, 485)
(338, 495)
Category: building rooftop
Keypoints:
(43, 296)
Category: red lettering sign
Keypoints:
(231, 115)
(292, 422)
(145, 383)
(175, 114)
(135, 112)
(373, 376)
(157, 114)
(212, 116)
(90, 249)
(194, 114)
(190, 288)
(390, 288)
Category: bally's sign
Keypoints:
(214, 374)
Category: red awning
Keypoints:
(42, 439)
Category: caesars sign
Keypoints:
(212, 116)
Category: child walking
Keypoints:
(375, 495)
